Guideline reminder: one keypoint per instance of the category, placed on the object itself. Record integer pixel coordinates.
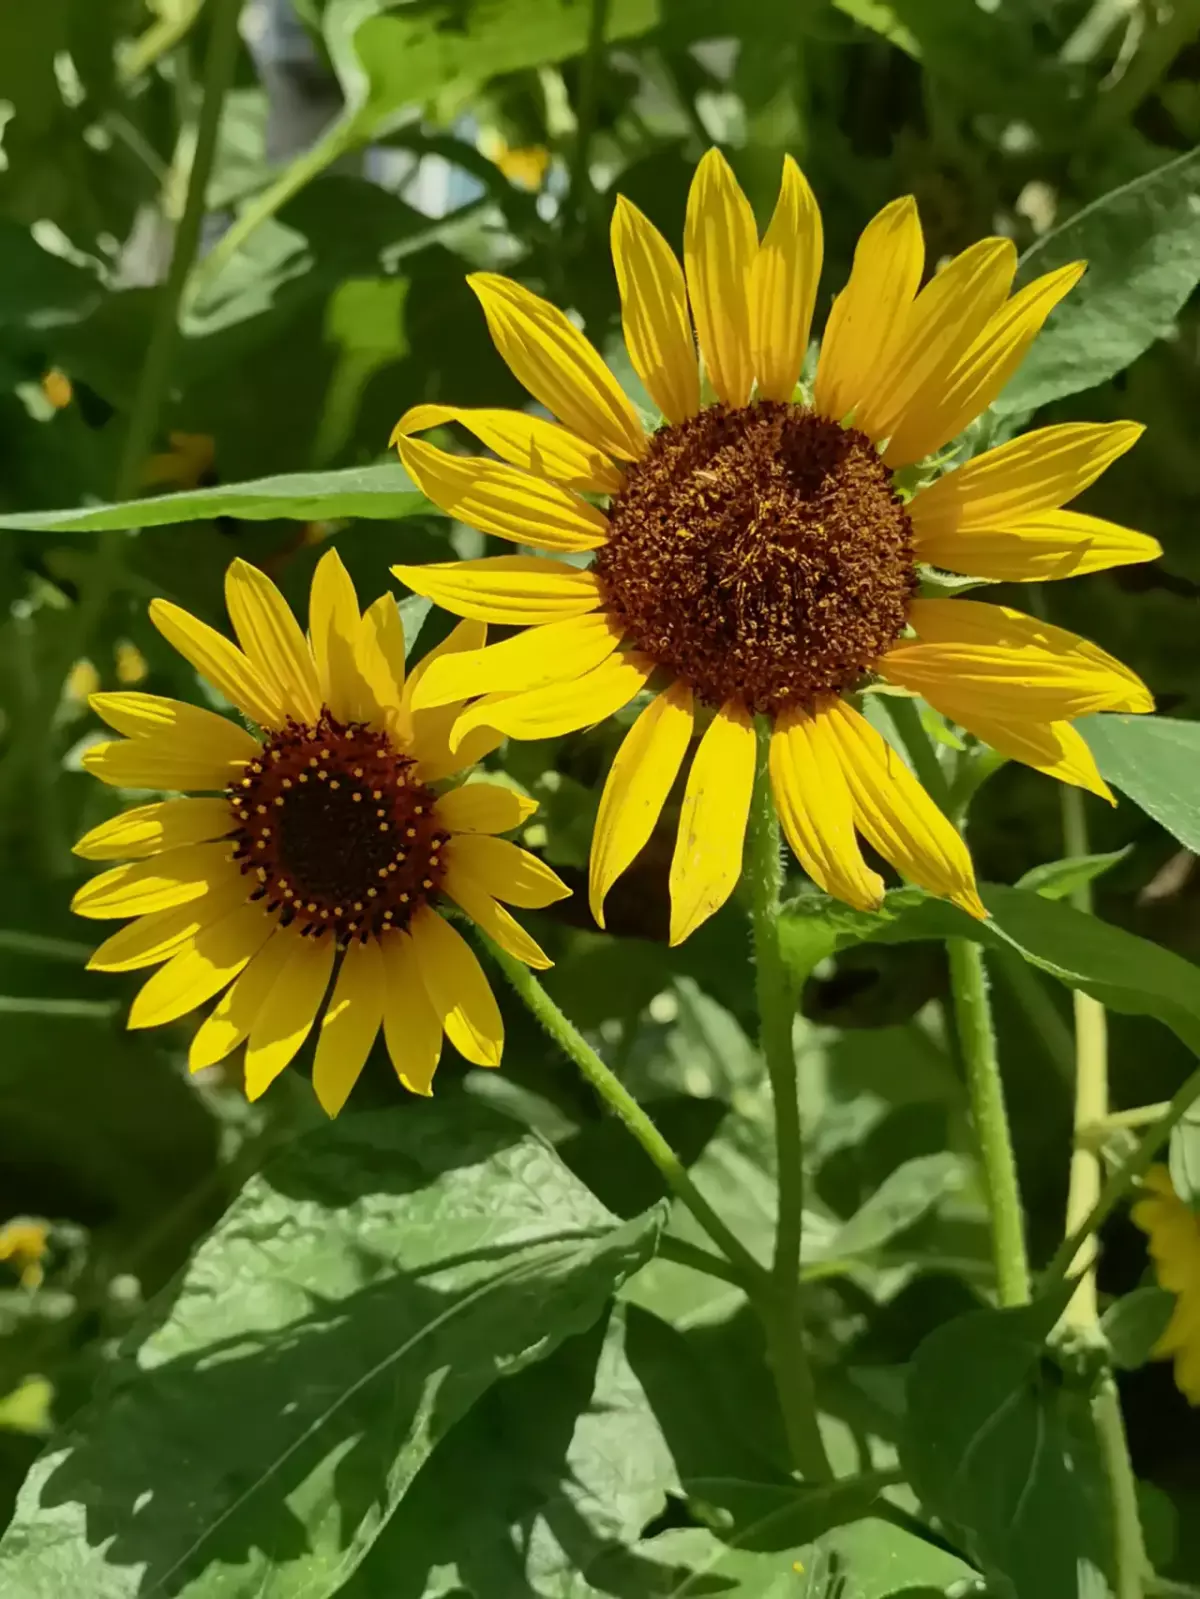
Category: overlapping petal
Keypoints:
(174, 727)
(1054, 748)
(221, 662)
(484, 808)
(272, 639)
(561, 707)
(510, 590)
(457, 988)
(707, 861)
(149, 829)
(202, 968)
(816, 810)
(172, 878)
(488, 914)
(553, 653)
(506, 871)
(654, 311)
(411, 1026)
(349, 1025)
(156, 936)
(231, 1019)
(286, 1016)
(333, 630)
(783, 286)
(530, 442)
(1041, 548)
(720, 242)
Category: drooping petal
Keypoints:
(285, 1017)
(896, 816)
(869, 316)
(156, 764)
(707, 861)
(530, 442)
(333, 627)
(234, 1014)
(201, 969)
(658, 332)
(272, 639)
(411, 1026)
(458, 990)
(156, 937)
(548, 355)
(149, 829)
(981, 371)
(1035, 472)
(492, 917)
(349, 1025)
(783, 286)
(505, 871)
(511, 590)
(1054, 748)
(562, 707)
(500, 499)
(720, 242)
(1052, 544)
(172, 878)
(483, 808)
(638, 783)
(553, 653)
(815, 808)
(221, 662)
(173, 725)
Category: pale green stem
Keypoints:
(1131, 1565)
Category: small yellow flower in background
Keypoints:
(319, 850)
(756, 556)
(23, 1246)
(131, 664)
(56, 386)
(1173, 1229)
(82, 682)
(184, 466)
(525, 165)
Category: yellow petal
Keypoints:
(1037, 472)
(869, 316)
(783, 286)
(1039, 548)
(553, 653)
(712, 825)
(971, 384)
(946, 318)
(720, 242)
(157, 764)
(349, 1025)
(658, 334)
(273, 640)
(457, 989)
(429, 732)
(1054, 748)
(562, 707)
(333, 627)
(815, 808)
(645, 767)
(379, 652)
(471, 635)
(286, 1015)
(221, 662)
(530, 442)
(505, 871)
(435, 767)
(172, 878)
(500, 499)
(493, 918)
(175, 725)
(896, 816)
(234, 1014)
(154, 938)
(150, 829)
(411, 1026)
(483, 808)
(201, 969)
(548, 355)
(513, 590)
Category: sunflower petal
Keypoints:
(172, 878)
(458, 990)
(379, 651)
(1054, 748)
(219, 661)
(869, 316)
(333, 626)
(1039, 548)
(897, 817)
(149, 829)
(981, 371)
(505, 871)
(155, 937)
(561, 707)
(783, 286)
(553, 653)
(530, 442)
(492, 917)
(349, 1025)
(157, 764)
(201, 969)
(816, 811)
(234, 1014)
(483, 808)
(658, 333)
(712, 825)
(411, 1026)
(548, 355)
(273, 640)
(512, 590)
(175, 725)
(285, 1017)
(720, 242)
(638, 783)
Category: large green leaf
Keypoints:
(1142, 246)
(354, 1303)
(997, 1445)
(379, 493)
(1156, 761)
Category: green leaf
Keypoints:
(995, 1444)
(1060, 879)
(358, 1298)
(1142, 246)
(1184, 1159)
(1156, 761)
(881, 19)
(1134, 1323)
(902, 1199)
(378, 493)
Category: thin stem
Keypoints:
(590, 70)
(1129, 1549)
(776, 988)
(1149, 66)
(683, 1253)
(1118, 1120)
(619, 1100)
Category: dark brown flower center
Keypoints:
(760, 553)
(335, 829)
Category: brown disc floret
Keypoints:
(761, 554)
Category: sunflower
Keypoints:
(318, 850)
(1173, 1229)
(758, 552)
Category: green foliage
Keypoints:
(1152, 759)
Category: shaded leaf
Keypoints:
(1184, 1159)
(902, 1199)
(1060, 879)
(1134, 1323)
(1156, 761)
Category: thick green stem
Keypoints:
(622, 1103)
(776, 988)
(1129, 1549)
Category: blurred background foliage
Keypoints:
(371, 154)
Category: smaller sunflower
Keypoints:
(1173, 1229)
(318, 849)
(23, 1246)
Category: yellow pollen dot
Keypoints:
(244, 816)
(337, 910)
(322, 775)
(313, 761)
(324, 916)
(404, 899)
(303, 777)
(351, 927)
(311, 906)
(387, 915)
(372, 893)
(261, 873)
(358, 904)
(427, 882)
(287, 893)
(357, 798)
(382, 872)
(325, 755)
(433, 860)
(246, 782)
(376, 793)
(279, 799)
(410, 832)
(383, 827)
(287, 782)
(276, 755)
(418, 810)
(260, 843)
(261, 809)
(334, 783)
(358, 771)
(256, 766)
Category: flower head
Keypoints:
(1173, 1229)
(319, 850)
(758, 552)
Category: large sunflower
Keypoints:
(319, 849)
(758, 555)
